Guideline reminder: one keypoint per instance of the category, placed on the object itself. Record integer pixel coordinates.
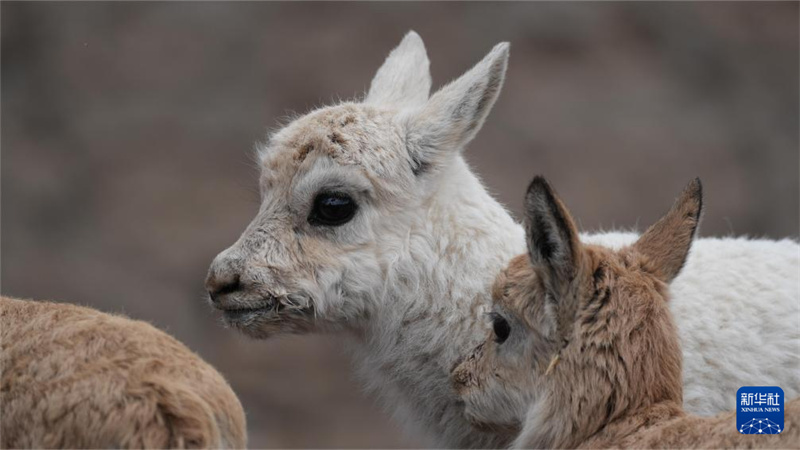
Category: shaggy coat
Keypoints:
(407, 275)
(74, 377)
(584, 352)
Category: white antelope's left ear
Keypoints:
(454, 115)
(404, 79)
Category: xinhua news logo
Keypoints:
(759, 410)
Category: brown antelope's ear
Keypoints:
(551, 233)
(666, 244)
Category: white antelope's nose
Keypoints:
(224, 278)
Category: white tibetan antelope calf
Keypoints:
(583, 351)
(74, 377)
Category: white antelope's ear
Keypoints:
(455, 114)
(666, 244)
(404, 79)
(552, 235)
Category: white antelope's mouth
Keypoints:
(272, 315)
(244, 314)
(233, 312)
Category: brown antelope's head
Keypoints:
(341, 188)
(579, 333)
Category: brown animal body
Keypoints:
(664, 426)
(584, 352)
(74, 377)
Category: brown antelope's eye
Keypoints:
(501, 328)
(332, 209)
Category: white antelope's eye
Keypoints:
(332, 209)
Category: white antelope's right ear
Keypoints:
(454, 115)
(404, 79)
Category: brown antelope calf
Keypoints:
(74, 377)
(583, 351)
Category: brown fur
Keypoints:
(330, 132)
(73, 377)
(596, 360)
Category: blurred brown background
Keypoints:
(128, 128)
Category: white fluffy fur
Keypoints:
(409, 277)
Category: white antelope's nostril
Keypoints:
(219, 285)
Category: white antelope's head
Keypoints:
(579, 333)
(340, 189)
